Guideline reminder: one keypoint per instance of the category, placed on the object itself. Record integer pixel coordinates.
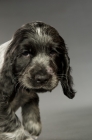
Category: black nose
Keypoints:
(41, 79)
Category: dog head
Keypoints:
(38, 59)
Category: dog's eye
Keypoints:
(26, 53)
(52, 52)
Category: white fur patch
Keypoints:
(41, 59)
(38, 30)
(19, 134)
(35, 127)
(41, 36)
(3, 49)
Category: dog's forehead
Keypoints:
(39, 31)
(41, 58)
(38, 39)
(42, 36)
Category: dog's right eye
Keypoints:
(26, 53)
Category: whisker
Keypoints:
(62, 75)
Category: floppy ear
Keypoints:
(66, 78)
(7, 79)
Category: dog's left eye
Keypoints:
(52, 52)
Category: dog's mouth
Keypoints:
(47, 86)
(39, 90)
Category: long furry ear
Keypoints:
(7, 79)
(66, 79)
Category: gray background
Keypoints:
(62, 118)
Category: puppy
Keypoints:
(35, 60)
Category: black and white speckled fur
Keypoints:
(33, 61)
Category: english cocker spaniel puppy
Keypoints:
(33, 61)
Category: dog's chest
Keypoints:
(3, 49)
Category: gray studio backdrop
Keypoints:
(62, 118)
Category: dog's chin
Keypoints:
(40, 90)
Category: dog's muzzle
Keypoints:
(41, 78)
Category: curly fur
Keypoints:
(33, 61)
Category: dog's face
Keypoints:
(37, 59)
(40, 58)
(37, 67)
